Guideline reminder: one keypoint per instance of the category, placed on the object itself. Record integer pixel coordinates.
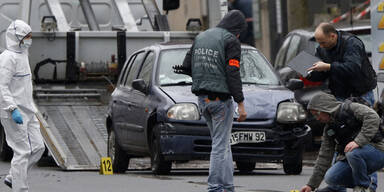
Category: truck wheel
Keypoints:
(245, 166)
(6, 152)
(120, 159)
(158, 164)
(294, 165)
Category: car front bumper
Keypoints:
(192, 142)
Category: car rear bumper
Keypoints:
(192, 142)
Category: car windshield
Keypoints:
(254, 69)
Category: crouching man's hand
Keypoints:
(306, 188)
(351, 146)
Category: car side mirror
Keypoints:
(139, 84)
(294, 84)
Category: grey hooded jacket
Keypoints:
(328, 103)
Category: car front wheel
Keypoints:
(158, 164)
(245, 166)
(293, 165)
(120, 159)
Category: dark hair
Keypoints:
(328, 29)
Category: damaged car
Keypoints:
(153, 113)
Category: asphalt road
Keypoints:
(269, 178)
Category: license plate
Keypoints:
(247, 137)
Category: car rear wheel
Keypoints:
(158, 165)
(293, 165)
(245, 166)
(6, 152)
(120, 159)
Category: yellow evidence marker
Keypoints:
(106, 166)
(294, 191)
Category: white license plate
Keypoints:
(247, 137)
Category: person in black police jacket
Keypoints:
(214, 62)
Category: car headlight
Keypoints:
(289, 112)
(184, 111)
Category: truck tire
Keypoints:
(158, 165)
(6, 152)
(293, 165)
(120, 159)
(245, 166)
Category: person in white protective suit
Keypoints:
(17, 109)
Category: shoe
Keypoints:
(361, 189)
(8, 182)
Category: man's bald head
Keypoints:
(326, 35)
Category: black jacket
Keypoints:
(351, 73)
(234, 22)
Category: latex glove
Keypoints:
(16, 116)
(320, 66)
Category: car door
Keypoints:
(119, 96)
(140, 101)
(124, 113)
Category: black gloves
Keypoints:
(179, 69)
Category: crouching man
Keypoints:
(353, 130)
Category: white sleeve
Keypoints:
(7, 70)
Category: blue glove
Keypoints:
(16, 116)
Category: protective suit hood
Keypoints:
(234, 22)
(324, 102)
(16, 31)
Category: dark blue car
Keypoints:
(153, 113)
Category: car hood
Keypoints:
(260, 101)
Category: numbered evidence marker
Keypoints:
(106, 166)
(294, 191)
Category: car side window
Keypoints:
(293, 48)
(146, 69)
(134, 69)
(280, 58)
(124, 72)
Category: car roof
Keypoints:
(358, 27)
(183, 44)
(302, 32)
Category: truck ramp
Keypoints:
(73, 126)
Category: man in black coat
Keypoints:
(344, 64)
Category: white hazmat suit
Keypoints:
(16, 93)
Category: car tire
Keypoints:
(6, 152)
(120, 159)
(293, 165)
(158, 165)
(245, 166)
